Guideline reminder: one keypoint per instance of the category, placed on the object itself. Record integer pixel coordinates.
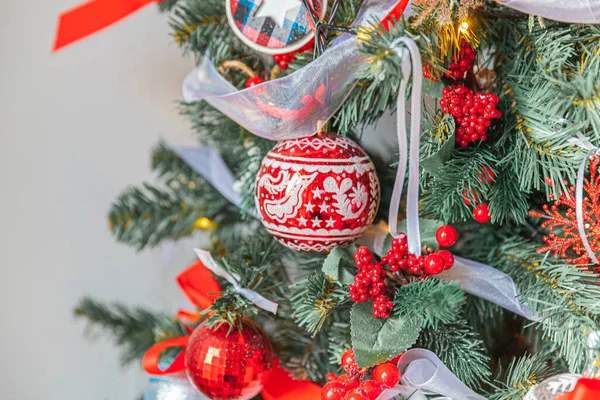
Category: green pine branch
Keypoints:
(134, 330)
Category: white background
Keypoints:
(76, 127)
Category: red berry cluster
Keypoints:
(283, 60)
(458, 67)
(472, 112)
(370, 281)
(461, 63)
(353, 386)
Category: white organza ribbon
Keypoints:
(297, 105)
(424, 374)
(208, 163)
(584, 143)
(573, 11)
(251, 295)
(410, 53)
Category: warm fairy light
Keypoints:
(203, 223)
(464, 27)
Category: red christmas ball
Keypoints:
(229, 365)
(387, 375)
(317, 193)
(481, 213)
(446, 235)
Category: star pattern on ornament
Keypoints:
(560, 220)
(302, 221)
(317, 193)
(329, 223)
(276, 9)
(309, 206)
(323, 207)
(316, 222)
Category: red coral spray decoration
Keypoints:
(561, 221)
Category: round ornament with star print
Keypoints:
(317, 193)
(273, 26)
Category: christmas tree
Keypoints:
(317, 267)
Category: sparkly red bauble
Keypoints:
(234, 366)
(317, 193)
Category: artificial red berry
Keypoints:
(382, 307)
(434, 264)
(354, 394)
(370, 389)
(387, 375)
(333, 391)
(486, 175)
(467, 198)
(349, 363)
(448, 258)
(350, 382)
(481, 213)
(331, 376)
(283, 65)
(446, 235)
(256, 80)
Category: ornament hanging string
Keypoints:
(585, 144)
(299, 104)
(410, 53)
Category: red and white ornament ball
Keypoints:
(317, 193)
(227, 365)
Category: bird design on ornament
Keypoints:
(276, 9)
(344, 203)
(564, 239)
(281, 209)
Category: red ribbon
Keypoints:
(585, 389)
(200, 287)
(91, 17)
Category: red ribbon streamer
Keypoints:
(585, 389)
(91, 17)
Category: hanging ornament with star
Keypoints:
(317, 193)
(273, 26)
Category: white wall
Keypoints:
(76, 127)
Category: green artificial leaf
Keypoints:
(376, 340)
(433, 89)
(436, 161)
(332, 267)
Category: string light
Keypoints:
(464, 27)
(203, 223)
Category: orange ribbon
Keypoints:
(91, 17)
(585, 389)
(201, 288)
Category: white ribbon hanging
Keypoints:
(584, 143)
(208, 163)
(251, 295)
(424, 374)
(410, 53)
(573, 11)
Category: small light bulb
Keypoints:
(464, 27)
(203, 223)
